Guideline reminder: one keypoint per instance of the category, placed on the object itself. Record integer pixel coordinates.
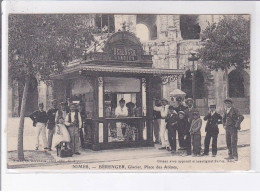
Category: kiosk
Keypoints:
(121, 71)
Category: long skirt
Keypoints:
(61, 135)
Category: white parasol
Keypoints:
(177, 92)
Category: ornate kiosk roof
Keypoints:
(122, 53)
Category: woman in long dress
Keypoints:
(61, 133)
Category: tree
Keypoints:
(226, 44)
(41, 45)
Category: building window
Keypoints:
(105, 23)
(189, 26)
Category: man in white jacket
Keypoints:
(164, 109)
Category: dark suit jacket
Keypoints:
(212, 122)
(233, 119)
(170, 120)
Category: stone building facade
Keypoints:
(171, 39)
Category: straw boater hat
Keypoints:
(181, 113)
(228, 100)
(189, 100)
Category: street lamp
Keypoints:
(193, 58)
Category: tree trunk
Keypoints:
(226, 74)
(21, 124)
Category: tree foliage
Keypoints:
(43, 44)
(226, 43)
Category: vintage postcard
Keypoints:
(128, 92)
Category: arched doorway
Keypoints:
(186, 84)
(200, 90)
(150, 22)
(142, 32)
(239, 90)
(236, 85)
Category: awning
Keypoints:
(119, 69)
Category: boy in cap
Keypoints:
(195, 133)
(231, 122)
(213, 120)
(164, 109)
(171, 121)
(39, 119)
(51, 122)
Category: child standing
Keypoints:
(195, 133)
(183, 127)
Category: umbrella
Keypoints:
(177, 92)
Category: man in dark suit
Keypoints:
(213, 119)
(189, 110)
(231, 122)
(171, 125)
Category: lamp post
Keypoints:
(193, 58)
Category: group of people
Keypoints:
(185, 120)
(64, 126)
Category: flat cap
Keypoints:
(189, 100)
(228, 100)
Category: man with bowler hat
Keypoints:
(213, 120)
(51, 122)
(231, 122)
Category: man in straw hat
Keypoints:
(74, 123)
(163, 109)
(231, 122)
(213, 120)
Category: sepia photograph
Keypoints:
(129, 92)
